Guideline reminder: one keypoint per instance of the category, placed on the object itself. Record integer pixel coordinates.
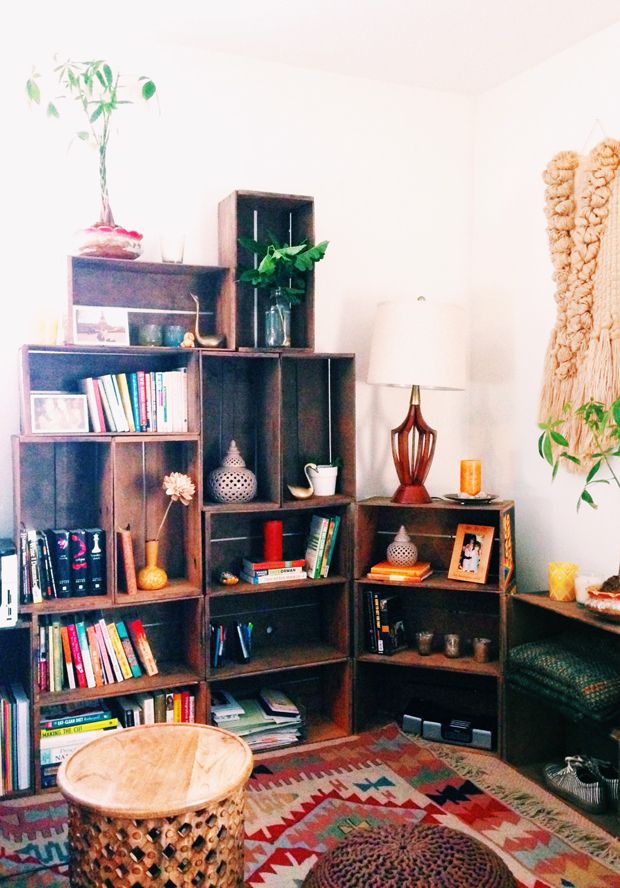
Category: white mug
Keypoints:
(321, 478)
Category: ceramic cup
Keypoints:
(424, 642)
(583, 583)
(173, 335)
(322, 478)
(150, 334)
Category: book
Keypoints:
(274, 571)
(142, 646)
(369, 619)
(110, 722)
(57, 749)
(21, 734)
(42, 665)
(159, 704)
(48, 584)
(76, 655)
(70, 719)
(142, 400)
(103, 628)
(418, 571)
(132, 381)
(277, 702)
(128, 711)
(107, 672)
(24, 579)
(273, 578)
(58, 659)
(123, 386)
(224, 706)
(170, 706)
(33, 561)
(392, 624)
(146, 702)
(107, 409)
(119, 650)
(58, 545)
(177, 707)
(330, 544)
(95, 659)
(95, 556)
(78, 561)
(95, 408)
(108, 381)
(66, 649)
(80, 628)
(129, 565)
(128, 648)
(317, 534)
(250, 566)
(377, 620)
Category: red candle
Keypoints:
(272, 540)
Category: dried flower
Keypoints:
(179, 488)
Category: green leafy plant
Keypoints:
(603, 423)
(336, 461)
(281, 265)
(98, 91)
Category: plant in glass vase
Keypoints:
(180, 488)
(98, 93)
(282, 270)
(603, 424)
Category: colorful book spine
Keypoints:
(142, 646)
(142, 400)
(107, 409)
(66, 649)
(126, 547)
(118, 675)
(123, 386)
(78, 561)
(87, 727)
(33, 560)
(76, 655)
(25, 590)
(68, 721)
(80, 628)
(253, 566)
(128, 648)
(106, 666)
(319, 525)
(273, 578)
(273, 571)
(121, 656)
(45, 567)
(132, 381)
(95, 659)
(43, 676)
(59, 657)
(95, 409)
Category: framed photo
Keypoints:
(58, 413)
(100, 325)
(471, 553)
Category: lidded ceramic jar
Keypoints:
(401, 550)
(232, 482)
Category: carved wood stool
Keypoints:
(159, 806)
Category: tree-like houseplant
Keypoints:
(282, 270)
(99, 93)
(603, 424)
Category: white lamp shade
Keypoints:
(419, 343)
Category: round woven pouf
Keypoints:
(410, 857)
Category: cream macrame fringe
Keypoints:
(583, 225)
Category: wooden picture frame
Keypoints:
(53, 413)
(471, 554)
(100, 325)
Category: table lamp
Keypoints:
(417, 344)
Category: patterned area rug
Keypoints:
(302, 803)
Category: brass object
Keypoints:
(213, 341)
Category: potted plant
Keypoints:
(99, 93)
(603, 424)
(282, 270)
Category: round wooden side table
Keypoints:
(157, 805)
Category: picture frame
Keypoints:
(471, 553)
(100, 325)
(53, 413)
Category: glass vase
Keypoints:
(278, 320)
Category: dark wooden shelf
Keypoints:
(438, 580)
(464, 665)
(253, 506)
(281, 658)
(567, 609)
(242, 588)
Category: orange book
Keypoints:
(126, 547)
(415, 571)
(66, 649)
(94, 655)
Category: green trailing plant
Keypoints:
(281, 266)
(98, 92)
(603, 423)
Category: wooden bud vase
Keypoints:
(151, 577)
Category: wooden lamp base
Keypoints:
(413, 448)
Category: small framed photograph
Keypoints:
(100, 325)
(58, 413)
(471, 553)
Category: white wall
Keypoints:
(519, 127)
(389, 168)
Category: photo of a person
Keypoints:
(471, 553)
(59, 412)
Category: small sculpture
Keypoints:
(232, 482)
(401, 550)
(188, 340)
(228, 578)
(213, 341)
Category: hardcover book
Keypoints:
(95, 553)
(78, 561)
(392, 624)
(317, 535)
(58, 542)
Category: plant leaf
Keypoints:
(586, 497)
(595, 468)
(32, 90)
(52, 110)
(615, 407)
(96, 113)
(107, 73)
(573, 459)
(547, 449)
(559, 439)
(148, 90)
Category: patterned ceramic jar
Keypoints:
(232, 482)
(401, 550)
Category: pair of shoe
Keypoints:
(588, 782)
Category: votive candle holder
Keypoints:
(562, 580)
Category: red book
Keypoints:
(251, 566)
(142, 646)
(76, 654)
(185, 706)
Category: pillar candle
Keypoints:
(471, 474)
(562, 580)
(272, 540)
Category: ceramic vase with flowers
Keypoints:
(180, 488)
(99, 92)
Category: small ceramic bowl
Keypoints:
(150, 334)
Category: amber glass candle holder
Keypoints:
(471, 476)
(562, 580)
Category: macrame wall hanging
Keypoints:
(583, 223)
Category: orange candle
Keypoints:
(562, 580)
(471, 474)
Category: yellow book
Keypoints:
(121, 378)
(119, 650)
(177, 707)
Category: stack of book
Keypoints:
(175, 706)
(385, 625)
(321, 544)
(61, 563)
(144, 401)
(64, 729)
(385, 572)
(269, 720)
(80, 654)
(15, 738)
(258, 572)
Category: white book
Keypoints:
(80, 628)
(147, 705)
(273, 578)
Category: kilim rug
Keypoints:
(302, 803)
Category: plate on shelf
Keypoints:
(470, 500)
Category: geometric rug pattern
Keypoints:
(302, 803)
